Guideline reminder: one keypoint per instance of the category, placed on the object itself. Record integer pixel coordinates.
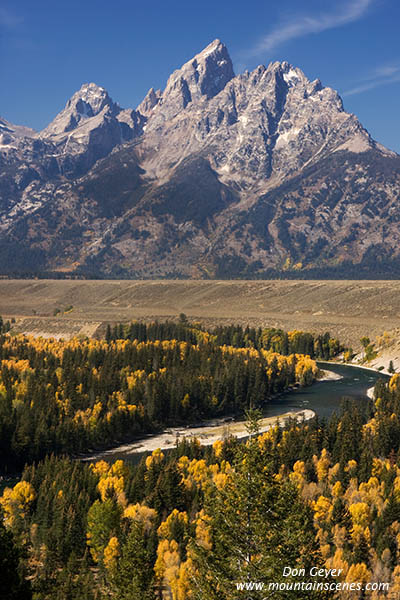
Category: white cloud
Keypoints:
(383, 75)
(306, 24)
(385, 71)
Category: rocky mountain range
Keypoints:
(218, 175)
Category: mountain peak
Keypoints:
(290, 74)
(199, 79)
(87, 102)
(93, 95)
(151, 100)
(215, 46)
(212, 69)
(207, 72)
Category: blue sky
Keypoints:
(48, 49)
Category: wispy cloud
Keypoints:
(9, 19)
(290, 29)
(380, 76)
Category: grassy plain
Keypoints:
(348, 309)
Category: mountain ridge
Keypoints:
(218, 174)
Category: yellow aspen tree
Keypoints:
(142, 514)
(322, 510)
(111, 553)
(16, 501)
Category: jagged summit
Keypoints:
(214, 46)
(217, 174)
(200, 78)
(89, 101)
(93, 98)
(255, 126)
(295, 77)
(87, 129)
(206, 74)
(151, 99)
(10, 132)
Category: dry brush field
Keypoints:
(348, 309)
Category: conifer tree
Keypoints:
(133, 576)
(258, 525)
(12, 584)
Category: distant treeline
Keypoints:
(377, 264)
(321, 346)
(5, 326)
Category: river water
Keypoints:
(324, 397)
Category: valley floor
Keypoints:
(348, 309)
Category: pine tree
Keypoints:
(12, 584)
(133, 577)
(257, 527)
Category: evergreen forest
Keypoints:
(196, 522)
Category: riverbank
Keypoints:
(356, 366)
(375, 370)
(384, 358)
(322, 398)
(207, 435)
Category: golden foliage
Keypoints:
(165, 529)
(298, 475)
(16, 501)
(101, 468)
(337, 489)
(203, 531)
(358, 573)
(394, 383)
(322, 465)
(156, 457)
(322, 509)
(142, 514)
(217, 447)
(110, 484)
(338, 562)
(111, 553)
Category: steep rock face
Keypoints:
(263, 125)
(199, 79)
(24, 159)
(151, 99)
(216, 175)
(89, 127)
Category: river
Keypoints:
(323, 398)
